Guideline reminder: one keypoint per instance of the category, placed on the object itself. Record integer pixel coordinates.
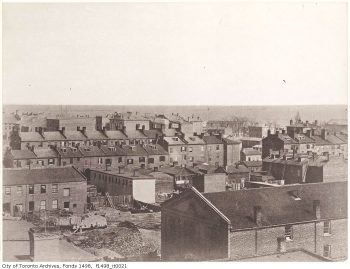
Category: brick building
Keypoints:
(232, 149)
(177, 149)
(129, 121)
(214, 150)
(256, 222)
(195, 150)
(278, 144)
(26, 191)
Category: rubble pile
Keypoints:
(124, 239)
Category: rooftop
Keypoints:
(212, 140)
(248, 151)
(41, 176)
(174, 140)
(278, 205)
(22, 154)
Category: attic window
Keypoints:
(175, 139)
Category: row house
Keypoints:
(234, 225)
(176, 147)
(278, 144)
(116, 138)
(40, 190)
(72, 123)
(214, 150)
(129, 121)
(10, 122)
(195, 147)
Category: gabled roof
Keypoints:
(278, 205)
(95, 135)
(22, 154)
(113, 151)
(194, 140)
(342, 137)
(319, 141)
(31, 137)
(41, 176)
(136, 134)
(74, 135)
(54, 136)
(250, 152)
(303, 139)
(152, 134)
(212, 139)
(231, 142)
(334, 140)
(287, 139)
(176, 171)
(115, 134)
(134, 150)
(69, 152)
(45, 153)
(173, 140)
(155, 149)
(91, 151)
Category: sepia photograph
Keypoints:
(174, 132)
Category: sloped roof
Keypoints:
(303, 139)
(10, 119)
(174, 140)
(115, 134)
(155, 149)
(176, 171)
(194, 140)
(342, 137)
(22, 154)
(54, 136)
(231, 142)
(31, 136)
(136, 134)
(95, 135)
(45, 153)
(113, 151)
(41, 176)
(74, 135)
(287, 139)
(232, 169)
(212, 139)
(91, 151)
(319, 141)
(248, 151)
(252, 163)
(278, 206)
(334, 140)
(152, 134)
(69, 153)
(136, 150)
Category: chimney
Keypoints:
(316, 122)
(317, 209)
(268, 132)
(63, 129)
(277, 132)
(40, 130)
(32, 148)
(281, 245)
(283, 131)
(308, 133)
(237, 165)
(257, 215)
(291, 122)
(84, 130)
(284, 157)
(324, 134)
(307, 123)
(78, 128)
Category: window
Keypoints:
(19, 190)
(54, 188)
(190, 149)
(78, 159)
(66, 205)
(170, 150)
(202, 148)
(51, 161)
(43, 189)
(327, 251)
(43, 205)
(183, 148)
(191, 159)
(74, 205)
(40, 162)
(54, 204)
(217, 147)
(288, 233)
(162, 158)
(171, 160)
(31, 189)
(142, 159)
(326, 227)
(130, 161)
(71, 160)
(66, 192)
(150, 160)
(120, 160)
(19, 208)
(100, 161)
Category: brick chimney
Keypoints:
(83, 130)
(324, 134)
(78, 128)
(257, 215)
(291, 122)
(308, 133)
(317, 209)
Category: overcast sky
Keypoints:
(210, 54)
